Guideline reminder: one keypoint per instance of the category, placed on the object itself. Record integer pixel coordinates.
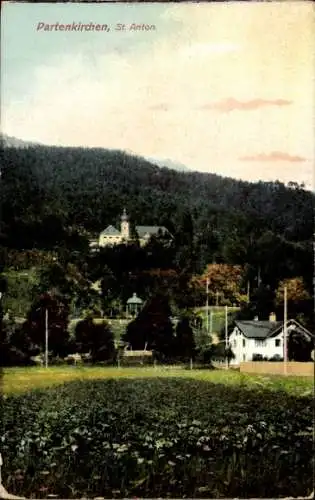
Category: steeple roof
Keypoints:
(124, 216)
(134, 299)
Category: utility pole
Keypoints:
(207, 305)
(285, 333)
(211, 321)
(46, 338)
(226, 338)
(314, 313)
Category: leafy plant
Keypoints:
(157, 437)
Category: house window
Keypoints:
(244, 342)
(234, 343)
(260, 343)
(278, 342)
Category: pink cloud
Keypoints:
(274, 156)
(231, 104)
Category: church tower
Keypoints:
(124, 227)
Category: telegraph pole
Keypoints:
(211, 321)
(285, 332)
(207, 305)
(46, 338)
(226, 338)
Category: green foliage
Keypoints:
(55, 197)
(157, 438)
(299, 300)
(53, 310)
(299, 347)
(16, 347)
(225, 284)
(95, 338)
(54, 200)
(21, 290)
(185, 347)
(152, 328)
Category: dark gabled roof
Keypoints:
(263, 329)
(258, 329)
(110, 231)
(143, 230)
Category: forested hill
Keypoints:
(48, 192)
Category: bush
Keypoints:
(257, 357)
(95, 338)
(276, 357)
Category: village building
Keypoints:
(264, 340)
(112, 236)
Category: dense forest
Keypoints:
(50, 193)
(55, 199)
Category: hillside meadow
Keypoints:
(22, 379)
(145, 432)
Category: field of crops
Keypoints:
(156, 433)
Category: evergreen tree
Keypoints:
(152, 328)
(95, 338)
(52, 309)
(185, 342)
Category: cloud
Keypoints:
(212, 48)
(159, 107)
(231, 104)
(274, 156)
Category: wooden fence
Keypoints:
(278, 368)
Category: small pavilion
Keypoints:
(134, 305)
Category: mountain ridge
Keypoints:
(12, 141)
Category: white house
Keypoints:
(265, 338)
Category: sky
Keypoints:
(226, 88)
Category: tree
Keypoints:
(66, 280)
(299, 301)
(296, 292)
(152, 329)
(16, 346)
(225, 284)
(261, 304)
(95, 338)
(185, 347)
(220, 351)
(56, 311)
(299, 346)
(185, 258)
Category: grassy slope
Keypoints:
(17, 380)
(118, 326)
(218, 316)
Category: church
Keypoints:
(112, 236)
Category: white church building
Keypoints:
(113, 236)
